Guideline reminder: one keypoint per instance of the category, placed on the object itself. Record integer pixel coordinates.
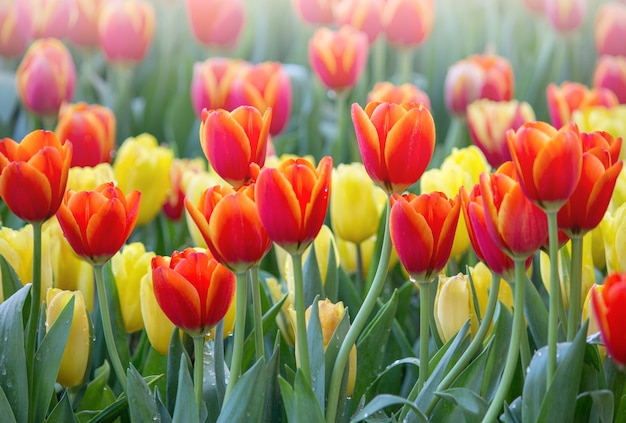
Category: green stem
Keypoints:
(405, 65)
(511, 359)
(301, 339)
(109, 339)
(424, 332)
(218, 348)
(35, 293)
(341, 150)
(378, 60)
(359, 269)
(524, 350)
(258, 312)
(575, 285)
(198, 364)
(240, 328)
(555, 288)
(358, 324)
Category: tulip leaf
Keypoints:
(98, 394)
(331, 284)
(10, 281)
(536, 314)
(47, 361)
(594, 406)
(174, 353)
(347, 291)
(332, 349)
(513, 412)
(5, 408)
(141, 403)
(248, 392)
(273, 407)
(471, 404)
(385, 400)
(316, 354)
(269, 319)
(8, 93)
(186, 409)
(14, 381)
(62, 412)
(163, 411)
(313, 285)
(301, 404)
(498, 351)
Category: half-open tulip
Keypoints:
(211, 83)
(33, 174)
(608, 305)
(193, 289)
(216, 23)
(408, 23)
(422, 229)
(232, 141)
(292, 201)
(565, 99)
(97, 223)
(386, 92)
(613, 229)
(396, 142)
(610, 73)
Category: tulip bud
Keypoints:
(609, 29)
(283, 319)
(216, 23)
(77, 349)
(587, 311)
(175, 202)
(608, 306)
(364, 15)
(408, 23)
(610, 73)
(565, 15)
(13, 39)
(45, 18)
(386, 92)
(613, 227)
(83, 31)
(454, 305)
(481, 278)
(158, 326)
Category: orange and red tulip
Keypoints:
(390, 136)
(610, 74)
(408, 23)
(216, 23)
(212, 82)
(364, 15)
(422, 229)
(33, 174)
(193, 289)
(97, 223)
(565, 99)
(293, 200)
(386, 92)
(608, 302)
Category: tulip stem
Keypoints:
(511, 359)
(575, 284)
(198, 364)
(405, 65)
(258, 312)
(378, 60)
(218, 347)
(358, 324)
(555, 289)
(301, 339)
(109, 339)
(35, 294)
(241, 296)
(424, 332)
(359, 269)
(341, 148)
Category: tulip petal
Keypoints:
(412, 238)
(220, 293)
(103, 241)
(369, 145)
(26, 191)
(177, 297)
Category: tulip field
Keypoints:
(312, 211)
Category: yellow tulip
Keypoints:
(229, 319)
(129, 266)
(597, 248)
(283, 319)
(619, 192)
(347, 253)
(481, 277)
(600, 118)
(141, 164)
(613, 227)
(194, 185)
(76, 353)
(594, 326)
(88, 178)
(158, 327)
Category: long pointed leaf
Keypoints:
(245, 404)
(186, 409)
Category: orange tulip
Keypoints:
(216, 23)
(33, 174)
(293, 200)
(422, 229)
(389, 137)
(608, 302)
(568, 97)
(609, 29)
(548, 162)
(408, 23)
(193, 290)
(386, 92)
(231, 226)
(211, 83)
(610, 73)
(97, 223)
(232, 141)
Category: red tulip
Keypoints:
(231, 141)
(292, 201)
(230, 224)
(390, 137)
(386, 92)
(33, 174)
(565, 99)
(212, 82)
(97, 223)
(608, 305)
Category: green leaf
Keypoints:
(273, 409)
(316, 354)
(47, 361)
(174, 353)
(300, 402)
(331, 285)
(269, 319)
(332, 349)
(10, 281)
(142, 405)
(594, 406)
(62, 412)
(313, 285)
(98, 394)
(384, 400)
(513, 413)
(246, 392)
(5, 408)
(163, 412)
(498, 351)
(536, 315)
(186, 409)
(473, 406)
(348, 292)
(13, 380)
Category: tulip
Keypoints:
(194, 185)
(175, 202)
(83, 32)
(97, 223)
(129, 266)
(73, 367)
(608, 306)
(193, 289)
(391, 135)
(386, 92)
(125, 30)
(292, 201)
(619, 192)
(315, 12)
(45, 77)
(589, 315)
(599, 118)
(229, 319)
(364, 15)
(33, 174)
(158, 326)
(610, 73)
(216, 23)
(356, 204)
(548, 162)
(88, 178)
(141, 164)
(338, 58)
(91, 129)
(534, 6)
(232, 141)
(284, 318)
(408, 23)
(569, 97)
(610, 30)
(45, 18)
(565, 15)
(14, 38)
(422, 229)
(488, 122)
(231, 226)
(613, 227)
(481, 278)
(264, 86)
(453, 306)
(211, 83)
(479, 76)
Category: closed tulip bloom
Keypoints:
(565, 99)
(83, 30)
(565, 15)
(453, 306)
(390, 136)
(181, 169)
(364, 15)
(422, 229)
(125, 30)
(33, 174)
(142, 165)
(97, 223)
(488, 122)
(231, 226)
(608, 306)
(293, 200)
(193, 289)
(211, 83)
(232, 141)
(386, 92)
(13, 38)
(129, 266)
(548, 162)
(610, 29)
(77, 348)
(315, 12)
(408, 23)
(91, 129)
(610, 73)
(88, 178)
(45, 18)
(356, 203)
(216, 23)
(481, 277)
(158, 326)
(338, 58)
(264, 86)
(613, 229)
(45, 77)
